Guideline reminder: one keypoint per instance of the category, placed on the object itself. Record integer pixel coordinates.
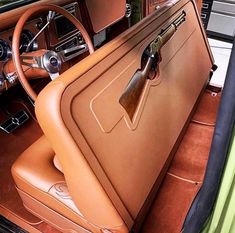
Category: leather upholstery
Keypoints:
(95, 133)
(110, 163)
(35, 174)
(199, 5)
(104, 13)
(40, 171)
(57, 164)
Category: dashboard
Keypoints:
(60, 36)
(30, 30)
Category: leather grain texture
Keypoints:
(109, 161)
(36, 177)
(104, 13)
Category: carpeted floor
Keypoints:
(185, 175)
(11, 147)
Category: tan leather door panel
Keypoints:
(125, 148)
(127, 156)
(107, 97)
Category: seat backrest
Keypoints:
(112, 162)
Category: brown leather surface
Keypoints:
(16, 39)
(95, 134)
(199, 5)
(104, 13)
(156, 217)
(50, 216)
(86, 180)
(57, 164)
(44, 182)
(46, 228)
(118, 143)
(40, 157)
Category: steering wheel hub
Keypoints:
(51, 62)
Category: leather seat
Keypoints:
(37, 175)
(112, 163)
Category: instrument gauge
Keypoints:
(5, 51)
(25, 39)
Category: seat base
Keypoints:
(36, 176)
(48, 215)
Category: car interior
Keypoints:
(107, 114)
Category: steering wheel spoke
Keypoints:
(73, 52)
(31, 61)
(45, 61)
(54, 75)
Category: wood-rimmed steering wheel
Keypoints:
(42, 59)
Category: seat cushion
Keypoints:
(37, 177)
(57, 164)
(35, 166)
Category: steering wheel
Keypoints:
(46, 60)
